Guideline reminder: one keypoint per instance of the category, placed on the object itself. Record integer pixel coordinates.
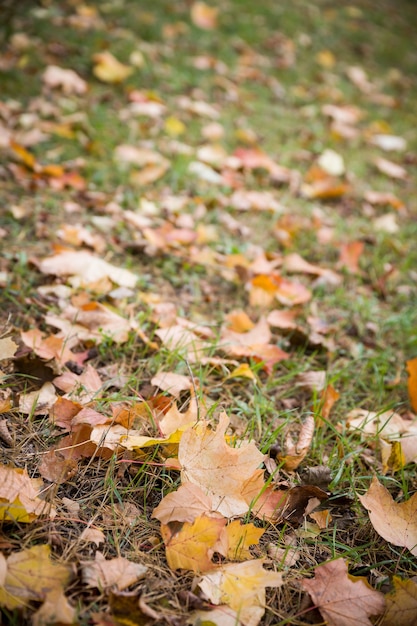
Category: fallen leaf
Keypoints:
(183, 505)
(396, 522)
(238, 538)
(389, 142)
(38, 402)
(204, 16)
(401, 603)
(31, 575)
(118, 572)
(172, 383)
(241, 586)
(93, 535)
(342, 599)
(350, 254)
(412, 382)
(19, 500)
(192, 547)
(393, 170)
(55, 610)
(68, 80)
(7, 348)
(108, 69)
(87, 268)
(295, 452)
(219, 470)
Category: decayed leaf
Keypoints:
(118, 572)
(192, 547)
(342, 599)
(32, 576)
(38, 402)
(412, 382)
(241, 586)
(108, 69)
(219, 470)
(401, 603)
(396, 522)
(19, 498)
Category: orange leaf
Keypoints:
(395, 522)
(412, 382)
(343, 600)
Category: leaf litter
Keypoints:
(179, 401)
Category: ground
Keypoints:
(206, 211)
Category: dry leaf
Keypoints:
(219, 470)
(108, 69)
(7, 348)
(296, 451)
(401, 603)
(192, 547)
(93, 535)
(31, 575)
(342, 599)
(238, 538)
(412, 382)
(66, 79)
(55, 610)
(38, 402)
(241, 586)
(393, 170)
(183, 505)
(19, 498)
(204, 16)
(396, 522)
(118, 572)
(87, 267)
(172, 383)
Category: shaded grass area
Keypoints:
(269, 88)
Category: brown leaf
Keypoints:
(295, 452)
(118, 572)
(19, 498)
(342, 599)
(183, 505)
(395, 522)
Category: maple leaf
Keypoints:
(31, 575)
(219, 470)
(183, 505)
(19, 498)
(296, 452)
(237, 538)
(342, 599)
(401, 603)
(7, 348)
(118, 572)
(193, 546)
(66, 79)
(172, 383)
(396, 522)
(241, 586)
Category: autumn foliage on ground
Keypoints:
(208, 344)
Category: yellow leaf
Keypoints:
(108, 69)
(174, 127)
(401, 604)
(193, 546)
(392, 456)
(326, 59)
(204, 16)
(239, 538)
(242, 371)
(32, 576)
